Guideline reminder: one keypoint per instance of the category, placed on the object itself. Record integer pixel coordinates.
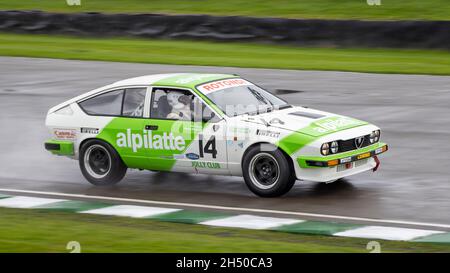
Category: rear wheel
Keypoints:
(267, 173)
(100, 164)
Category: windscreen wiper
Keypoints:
(258, 96)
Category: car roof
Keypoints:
(144, 80)
(188, 80)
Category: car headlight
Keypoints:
(325, 149)
(334, 147)
(374, 136)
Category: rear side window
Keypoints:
(133, 103)
(108, 104)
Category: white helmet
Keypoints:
(176, 100)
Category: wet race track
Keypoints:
(412, 184)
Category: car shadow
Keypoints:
(342, 186)
(216, 187)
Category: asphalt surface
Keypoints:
(413, 182)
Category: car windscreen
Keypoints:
(245, 99)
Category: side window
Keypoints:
(173, 104)
(133, 102)
(108, 104)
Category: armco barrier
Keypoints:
(345, 33)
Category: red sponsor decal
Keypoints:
(65, 133)
(222, 84)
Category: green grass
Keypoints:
(326, 9)
(50, 231)
(226, 54)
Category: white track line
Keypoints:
(250, 222)
(26, 202)
(387, 233)
(130, 211)
(335, 217)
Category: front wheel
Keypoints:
(267, 173)
(100, 164)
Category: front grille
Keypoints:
(349, 144)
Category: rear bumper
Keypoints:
(59, 147)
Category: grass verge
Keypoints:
(50, 231)
(324, 9)
(226, 54)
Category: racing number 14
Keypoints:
(209, 148)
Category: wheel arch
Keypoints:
(286, 155)
(98, 139)
(84, 142)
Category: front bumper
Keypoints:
(343, 158)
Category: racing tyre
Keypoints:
(267, 173)
(100, 164)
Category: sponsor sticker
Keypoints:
(89, 130)
(334, 124)
(148, 140)
(345, 160)
(222, 84)
(192, 156)
(208, 165)
(65, 134)
(268, 133)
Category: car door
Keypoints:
(183, 139)
(124, 108)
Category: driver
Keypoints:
(181, 108)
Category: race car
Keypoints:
(208, 124)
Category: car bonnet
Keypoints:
(307, 121)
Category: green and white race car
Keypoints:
(209, 124)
